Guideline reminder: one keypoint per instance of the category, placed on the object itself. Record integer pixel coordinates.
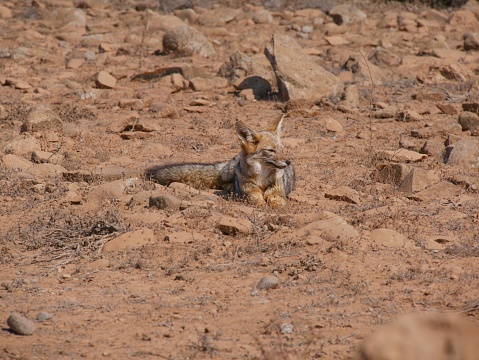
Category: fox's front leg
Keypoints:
(275, 196)
(253, 193)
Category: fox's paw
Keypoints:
(276, 201)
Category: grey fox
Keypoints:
(258, 173)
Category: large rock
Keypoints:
(239, 66)
(463, 152)
(346, 14)
(132, 239)
(298, 76)
(423, 337)
(390, 239)
(43, 119)
(219, 16)
(468, 120)
(332, 227)
(186, 41)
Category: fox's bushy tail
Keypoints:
(199, 176)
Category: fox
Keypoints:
(259, 173)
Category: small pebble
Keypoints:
(43, 316)
(20, 325)
(266, 283)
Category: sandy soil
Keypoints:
(125, 280)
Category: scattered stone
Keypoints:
(68, 16)
(187, 41)
(15, 162)
(105, 80)
(453, 72)
(336, 40)
(333, 125)
(219, 16)
(390, 239)
(332, 228)
(444, 334)
(471, 107)
(46, 170)
(468, 120)
(262, 17)
(43, 316)
(260, 87)
(39, 157)
(408, 115)
(202, 84)
(418, 179)
(232, 226)
(400, 155)
(168, 6)
(443, 190)
(343, 193)
(184, 237)
(298, 76)
(433, 147)
(43, 119)
(17, 84)
(164, 201)
(384, 58)
(463, 152)
(75, 63)
(5, 13)
(24, 144)
(20, 325)
(392, 173)
(132, 239)
(266, 283)
(447, 109)
(471, 41)
(131, 104)
(346, 14)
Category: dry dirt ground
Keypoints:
(121, 279)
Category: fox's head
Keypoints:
(263, 146)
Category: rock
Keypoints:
(186, 41)
(471, 107)
(471, 41)
(232, 226)
(408, 115)
(343, 193)
(75, 63)
(43, 316)
(463, 152)
(266, 283)
(164, 201)
(336, 40)
(132, 239)
(15, 162)
(247, 94)
(262, 17)
(43, 119)
(20, 325)
(261, 88)
(464, 19)
(68, 16)
(162, 22)
(407, 21)
(184, 237)
(298, 76)
(389, 239)
(418, 179)
(332, 228)
(24, 144)
(346, 14)
(433, 147)
(453, 72)
(219, 16)
(400, 155)
(443, 190)
(202, 84)
(432, 336)
(468, 120)
(105, 80)
(240, 66)
(17, 84)
(168, 6)
(46, 170)
(5, 13)
(189, 16)
(447, 109)
(392, 173)
(131, 104)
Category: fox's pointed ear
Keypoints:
(275, 126)
(246, 134)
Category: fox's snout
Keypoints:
(278, 163)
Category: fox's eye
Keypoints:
(271, 151)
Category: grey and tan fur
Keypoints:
(258, 173)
